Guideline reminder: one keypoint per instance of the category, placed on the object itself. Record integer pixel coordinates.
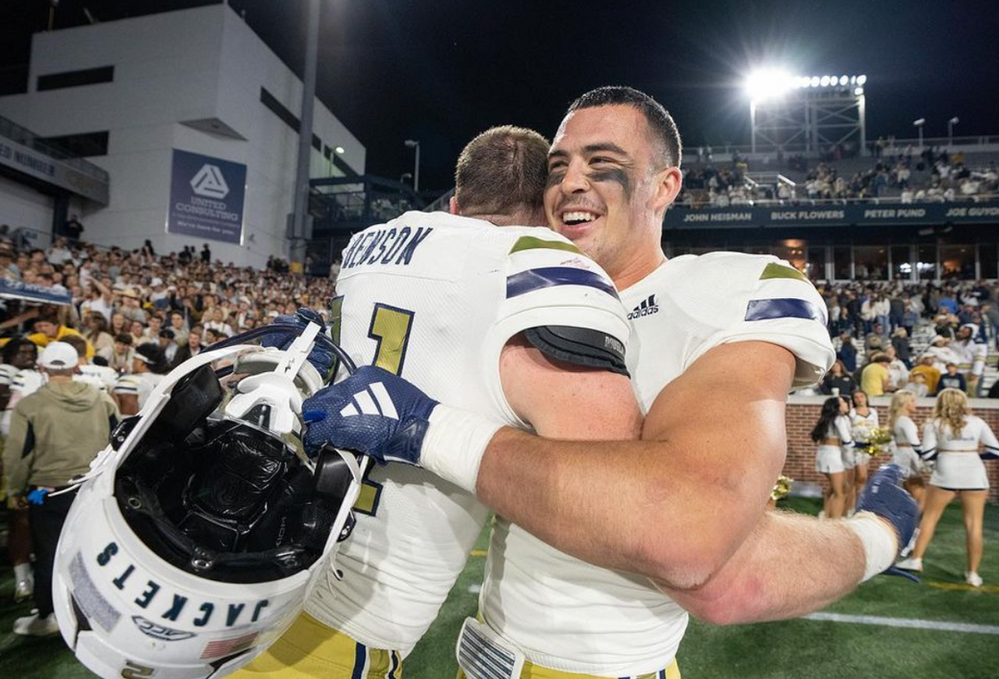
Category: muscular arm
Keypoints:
(566, 401)
(685, 506)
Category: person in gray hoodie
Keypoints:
(54, 434)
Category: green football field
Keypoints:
(807, 649)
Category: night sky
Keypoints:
(441, 71)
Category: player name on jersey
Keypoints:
(388, 245)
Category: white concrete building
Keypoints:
(197, 80)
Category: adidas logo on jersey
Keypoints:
(646, 308)
(374, 400)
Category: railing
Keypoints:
(441, 204)
(26, 238)
(893, 146)
(25, 137)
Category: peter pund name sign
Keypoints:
(206, 197)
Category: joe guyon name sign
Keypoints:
(833, 215)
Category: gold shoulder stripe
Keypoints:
(780, 271)
(533, 243)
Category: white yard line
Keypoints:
(906, 622)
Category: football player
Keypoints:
(514, 323)
(719, 341)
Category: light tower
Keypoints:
(806, 114)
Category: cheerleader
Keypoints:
(832, 432)
(905, 436)
(953, 437)
(863, 420)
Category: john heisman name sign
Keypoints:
(206, 197)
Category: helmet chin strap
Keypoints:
(276, 389)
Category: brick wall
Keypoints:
(803, 413)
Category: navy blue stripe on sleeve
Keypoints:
(788, 307)
(552, 276)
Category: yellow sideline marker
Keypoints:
(961, 586)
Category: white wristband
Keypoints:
(879, 541)
(454, 444)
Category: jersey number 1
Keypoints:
(390, 328)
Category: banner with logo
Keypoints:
(867, 214)
(32, 293)
(206, 197)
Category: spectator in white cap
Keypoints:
(159, 296)
(148, 367)
(941, 352)
(54, 434)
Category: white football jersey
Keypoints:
(7, 374)
(571, 616)
(137, 384)
(100, 377)
(434, 298)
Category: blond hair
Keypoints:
(952, 409)
(899, 401)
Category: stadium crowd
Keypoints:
(874, 325)
(932, 176)
(121, 300)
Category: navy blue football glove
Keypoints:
(372, 412)
(883, 495)
(320, 358)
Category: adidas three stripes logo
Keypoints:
(374, 400)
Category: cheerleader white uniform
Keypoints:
(959, 465)
(908, 449)
(830, 459)
(861, 431)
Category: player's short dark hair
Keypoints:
(660, 121)
(502, 172)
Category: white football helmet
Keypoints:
(198, 534)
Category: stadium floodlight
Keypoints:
(861, 79)
(341, 150)
(843, 80)
(824, 81)
(770, 83)
(857, 91)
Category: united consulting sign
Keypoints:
(206, 197)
